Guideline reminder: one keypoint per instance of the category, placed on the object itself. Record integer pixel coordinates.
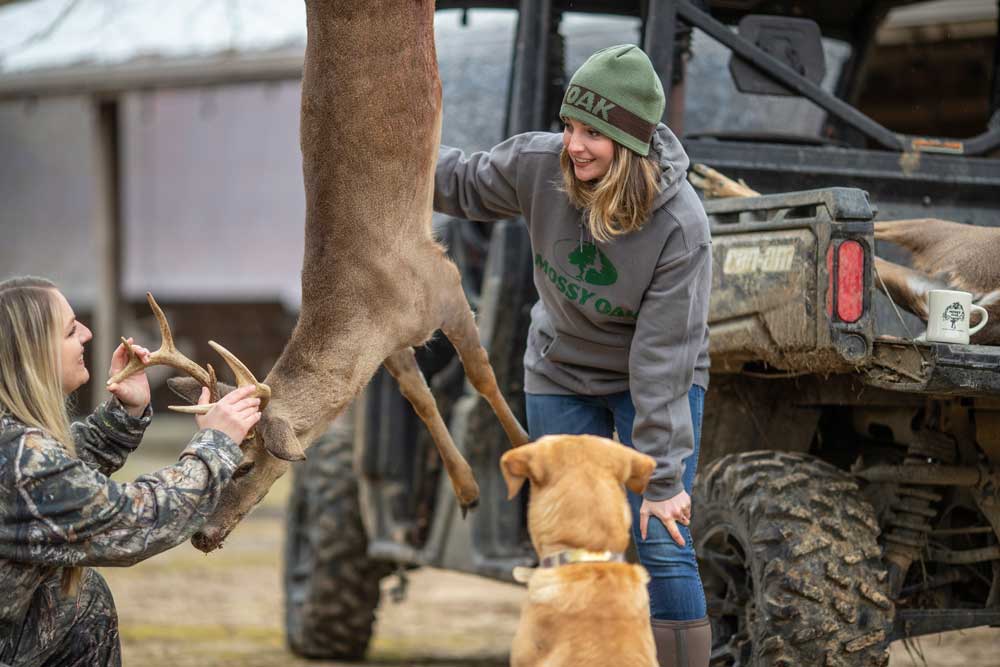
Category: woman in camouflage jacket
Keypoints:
(59, 512)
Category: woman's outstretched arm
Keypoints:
(56, 510)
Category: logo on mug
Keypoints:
(948, 315)
(954, 314)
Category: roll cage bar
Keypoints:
(854, 21)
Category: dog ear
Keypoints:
(637, 470)
(519, 464)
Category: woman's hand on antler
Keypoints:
(234, 414)
(132, 392)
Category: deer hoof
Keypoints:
(469, 506)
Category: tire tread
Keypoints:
(814, 557)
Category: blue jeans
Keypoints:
(675, 591)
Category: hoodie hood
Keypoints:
(667, 150)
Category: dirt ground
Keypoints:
(187, 609)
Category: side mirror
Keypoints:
(795, 42)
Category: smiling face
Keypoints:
(590, 151)
(74, 336)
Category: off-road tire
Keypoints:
(813, 580)
(331, 586)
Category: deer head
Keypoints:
(255, 475)
(266, 450)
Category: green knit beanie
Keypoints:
(617, 93)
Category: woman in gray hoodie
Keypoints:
(619, 337)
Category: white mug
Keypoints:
(948, 316)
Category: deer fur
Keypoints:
(374, 282)
(944, 255)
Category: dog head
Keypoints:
(577, 499)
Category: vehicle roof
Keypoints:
(836, 19)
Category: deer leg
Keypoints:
(402, 365)
(908, 288)
(461, 330)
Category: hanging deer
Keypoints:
(375, 284)
(945, 255)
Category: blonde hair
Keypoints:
(31, 367)
(621, 201)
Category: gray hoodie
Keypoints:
(629, 314)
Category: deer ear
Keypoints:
(188, 389)
(279, 438)
(519, 464)
(637, 470)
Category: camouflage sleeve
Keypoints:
(62, 512)
(106, 438)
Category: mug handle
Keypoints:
(982, 322)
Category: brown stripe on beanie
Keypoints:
(601, 107)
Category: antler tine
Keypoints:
(244, 378)
(213, 397)
(167, 355)
(166, 337)
(243, 375)
(213, 384)
(133, 366)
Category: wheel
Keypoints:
(331, 586)
(790, 562)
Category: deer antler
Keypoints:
(167, 355)
(244, 378)
(716, 184)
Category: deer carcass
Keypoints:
(374, 282)
(945, 255)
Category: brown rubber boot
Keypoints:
(682, 643)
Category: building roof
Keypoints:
(73, 46)
(48, 34)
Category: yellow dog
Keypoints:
(586, 606)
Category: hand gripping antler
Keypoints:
(167, 355)
(244, 378)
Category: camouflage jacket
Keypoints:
(56, 510)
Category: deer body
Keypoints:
(945, 255)
(374, 282)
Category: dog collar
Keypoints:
(571, 556)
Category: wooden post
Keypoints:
(106, 225)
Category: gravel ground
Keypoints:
(188, 609)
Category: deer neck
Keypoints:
(370, 130)
(317, 376)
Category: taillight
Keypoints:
(849, 278)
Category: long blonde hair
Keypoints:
(31, 367)
(621, 201)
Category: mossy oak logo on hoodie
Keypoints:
(578, 265)
(586, 262)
